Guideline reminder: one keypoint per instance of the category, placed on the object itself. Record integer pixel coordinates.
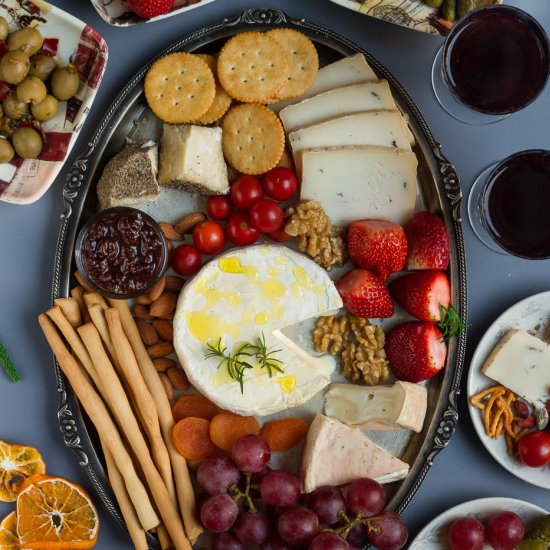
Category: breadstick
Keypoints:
(99, 415)
(91, 298)
(80, 280)
(120, 406)
(71, 310)
(145, 404)
(97, 315)
(184, 487)
(137, 534)
(164, 537)
(78, 294)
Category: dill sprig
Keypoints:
(266, 359)
(8, 365)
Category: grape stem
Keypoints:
(349, 524)
(237, 494)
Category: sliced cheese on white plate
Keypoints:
(402, 405)
(370, 96)
(521, 363)
(335, 454)
(382, 128)
(246, 294)
(355, 183)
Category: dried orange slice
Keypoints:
(8, 533)
(17, 462)
(53, 513)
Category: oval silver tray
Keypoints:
(441, 193)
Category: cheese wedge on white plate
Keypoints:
(383, 408)
(335, 454)
(521, 363)
(356, 183)
(370, 96)
(246, 294)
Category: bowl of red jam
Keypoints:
(121, 252)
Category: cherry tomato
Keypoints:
(245, 191)
(185, 260)
(280, 183)
(218, 207)
(239, 231)
(266, 215)
(279, 236)
(209, 237)
(534, 449)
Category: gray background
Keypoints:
(464, 470)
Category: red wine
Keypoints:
(496, 59)
(516, 204)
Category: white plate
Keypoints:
(531, 314)
(434, 535)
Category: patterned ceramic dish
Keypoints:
(116, 12)
(434, 535)
(25, 181)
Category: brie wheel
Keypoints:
(246, 294)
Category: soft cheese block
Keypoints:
(355, 183)
(335, 454)
(246, 294)
(402, 405)
(521, 363)
(370, 96)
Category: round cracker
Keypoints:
(253, 138)
(222, 100)
(252, 67)
(303, 61)
(179, 87)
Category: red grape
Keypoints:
(218, 513)
(277, 543)
(358, 535)
(366, 496)
(327, 503)
(280, 488)
(217, 473)
(185, 260)
(252, 528)
(226, 541)
(390, 532)
(298, 525)
(251, 453)
(328, 541)
(504, 530)
(466, 534)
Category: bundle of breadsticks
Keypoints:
(99, 349)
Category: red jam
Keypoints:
(123, 252)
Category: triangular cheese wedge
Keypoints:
(336, 455)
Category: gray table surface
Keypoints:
(464, 470)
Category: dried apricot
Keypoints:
(194, 405)
(192, 438)
(285, 433)
(226, 427)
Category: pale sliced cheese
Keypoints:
(354, 183)
(402, 405)
(382, 128)
(370, 96)
(335, 454)
(521, 363)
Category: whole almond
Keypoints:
(167, 386)
(147, 332)
(163, 363)
(170, 232)
(187, 223)
(160, 349)
(173, 283)
(144, 300)
(164, 305)
(164, 329)
(178, 378)
(142, 312)
(157, 290)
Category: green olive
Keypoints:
(27, 142)
(31, 90)
(14, 67)
(6, 151)
(64, 83)
(46, 109)
(26, 40)
(4, 28)
(14, 108)
(42, 66)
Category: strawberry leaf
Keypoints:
(450, 324)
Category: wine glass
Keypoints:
(495, 61)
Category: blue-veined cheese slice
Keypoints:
(240, 296)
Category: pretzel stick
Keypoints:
(184, 487)
(71, 310)
(80, 280)
(137, 534)
(97, 411)
(78, 294)
(98, 319)
(91, 298)
(120, 406)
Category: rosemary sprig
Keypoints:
(266, 359)
(8, 365)
(450, 323)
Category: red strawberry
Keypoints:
(365, 295)
(378, 245)
(428, 242)
(415, 351)
(150, 8)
